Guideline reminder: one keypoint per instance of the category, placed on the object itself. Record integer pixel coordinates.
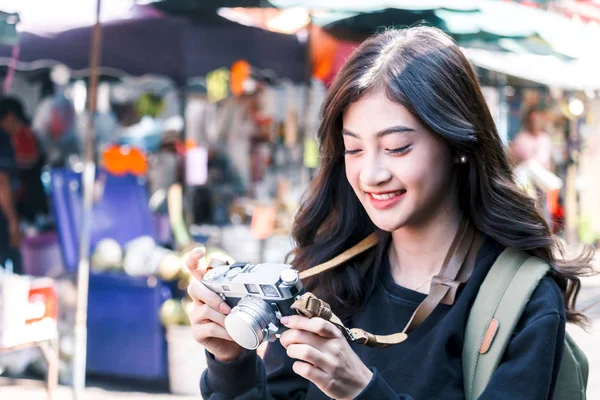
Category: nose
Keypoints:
(374, 174)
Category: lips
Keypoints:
(384, 200)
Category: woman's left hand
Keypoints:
(326, 358)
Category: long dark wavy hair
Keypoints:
(424, 70)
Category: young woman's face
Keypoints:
(400, 171)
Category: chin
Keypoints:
(387, 224)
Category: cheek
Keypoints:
(426, 174)
(352, 173)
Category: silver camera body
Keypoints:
(259, 295)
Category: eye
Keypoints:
(400, 150)
(351, 152)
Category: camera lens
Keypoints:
(251, 322)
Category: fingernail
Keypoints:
(285, 320)
(225, 309)
(197, 250)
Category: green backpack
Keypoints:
(495, 313)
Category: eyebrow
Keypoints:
(385, 132)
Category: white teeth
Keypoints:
(386, 196)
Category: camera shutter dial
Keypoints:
(216, 272)
(289, 277)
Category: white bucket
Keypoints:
(187, 361)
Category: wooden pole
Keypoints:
(88, 178)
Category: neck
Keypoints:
(418, 251)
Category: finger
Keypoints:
(205, 313)
(209, 330)
(315, 325)
(309, 354)
(296, 336)
(197, 290)
(192, 262)
(311, 373)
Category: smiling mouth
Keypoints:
(387, 196)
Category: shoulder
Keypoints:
(546, 300)
(545, 310)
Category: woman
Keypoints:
(533, 143)
(408, 149)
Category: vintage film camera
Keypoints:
(259, 294)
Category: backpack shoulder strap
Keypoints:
(498, 306)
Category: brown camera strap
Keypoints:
(456, 269)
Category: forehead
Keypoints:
(375, 112)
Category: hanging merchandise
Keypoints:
(242, 130)
(217, 85)
(240, 73)
(54, 122)
(281, 106)
(291, 118)
(311, 153)
(150, 105)
(196, 166)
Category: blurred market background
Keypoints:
(148, 127)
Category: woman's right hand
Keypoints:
(207, 317)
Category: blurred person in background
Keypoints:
(531, 149)
(533, 142)
(11, 121)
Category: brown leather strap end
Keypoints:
(312, 307)
(368, 339)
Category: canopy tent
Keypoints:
(463, 19)
(163, 45)
(546, 70)
(508, 38)
(194, 8)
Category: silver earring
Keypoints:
(463, 159)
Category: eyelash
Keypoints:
(399, 150)
(350, 152)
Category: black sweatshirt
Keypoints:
(425, 366)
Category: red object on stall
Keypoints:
(43, 301)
